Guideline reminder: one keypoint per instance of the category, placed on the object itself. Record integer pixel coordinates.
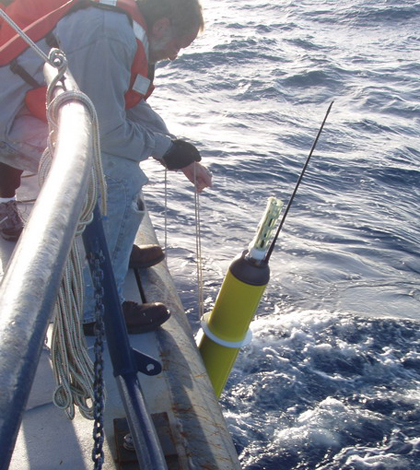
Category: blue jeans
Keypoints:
(27, 141)
(124, 179)
(125, 212)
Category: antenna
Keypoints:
(273, 243)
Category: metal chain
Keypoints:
(95, 261)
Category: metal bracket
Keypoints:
(146, 364)
(127, 459)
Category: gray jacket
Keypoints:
(100, 46)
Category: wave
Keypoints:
(331, 381)
(331, 386)
(365, 14)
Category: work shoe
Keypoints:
(139, 318)
(144, 256)
(11, 224)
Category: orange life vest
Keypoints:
(38, 19)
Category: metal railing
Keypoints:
(30, 286)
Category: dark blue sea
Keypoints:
(331, 380)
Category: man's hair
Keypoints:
(185, 15)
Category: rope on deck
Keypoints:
(72, 366)
(73, 369)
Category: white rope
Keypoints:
(199, 262)
(72, 366)
(73, 369)
(200, 286)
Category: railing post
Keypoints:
(29, 288)
(125, 368)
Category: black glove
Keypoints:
(180, 155)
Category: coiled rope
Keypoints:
(72, 366)
(73, 369)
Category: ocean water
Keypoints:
(332, 377)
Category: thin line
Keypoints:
(200, 287)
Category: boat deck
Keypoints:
(181, 400)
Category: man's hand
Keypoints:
(198, 175)
(180, 155)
